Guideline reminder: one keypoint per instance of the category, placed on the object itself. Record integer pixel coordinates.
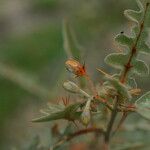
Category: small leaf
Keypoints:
(116, 60)
(140, 68)
(143, 105)
(124, 40)
(133, 15)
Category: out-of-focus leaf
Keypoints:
(129, 146)
(143, 105)
(133, 15)
(71, 45)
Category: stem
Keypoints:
(110, 125)
(128, 65)
(119, 109)
(93, 89)
(123, 118)
(76, 134)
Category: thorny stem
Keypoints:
(128, 65)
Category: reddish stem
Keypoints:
(128, 65)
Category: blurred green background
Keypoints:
(32, 55)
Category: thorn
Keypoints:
(103, 72)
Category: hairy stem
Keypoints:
(128, 65)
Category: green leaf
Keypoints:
(131, 83)
(121, 88)
(135, 16)
(54, 113)
(116, 60)
(143, 47)
(124, 40)
(143, 105)
(50, 117)
(140, 68)
(147, 18)
(71, 45)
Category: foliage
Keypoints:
(116, 94)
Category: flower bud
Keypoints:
(86, 115)
(71, 87)
(75, 67)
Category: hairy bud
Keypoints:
(71, 87)
(86, 115)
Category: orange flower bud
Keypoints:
(75, 67)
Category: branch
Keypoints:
(111, 122)
(124, 116)
(76, 134)
(128, 65)
(119, 108)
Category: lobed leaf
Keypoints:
(143, 105)
(116, 60)
(124, 40)
(133, 15)
(131, 83)
(143, 47)
(140, 68)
